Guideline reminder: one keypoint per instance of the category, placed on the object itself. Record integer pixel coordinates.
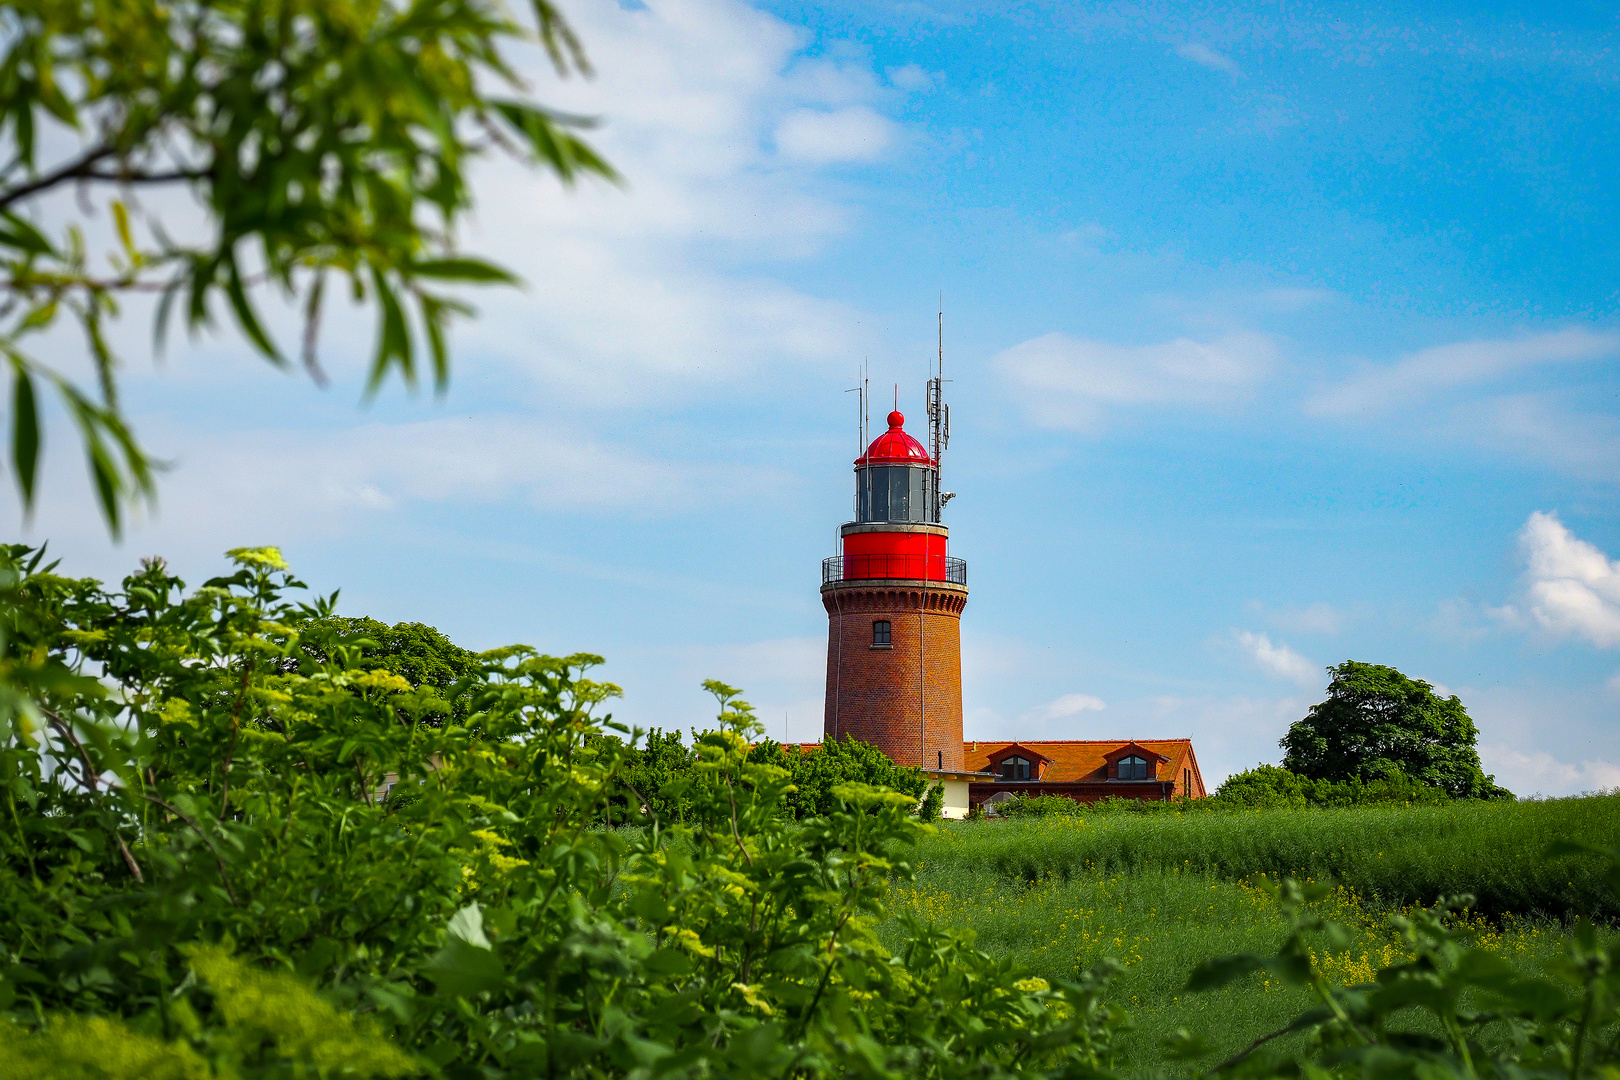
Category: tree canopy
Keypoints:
(416, 652)
(326, 142)
(1377, 724)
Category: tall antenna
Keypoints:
(866, 435)
(866, 403)
(939, 414)
(860, 448)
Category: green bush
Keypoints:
(198, 838)
(1268, 787)
(933, 804)
(1040, 806)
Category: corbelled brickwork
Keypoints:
(905, 699)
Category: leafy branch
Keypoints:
(319, 138)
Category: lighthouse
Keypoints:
(894, 597)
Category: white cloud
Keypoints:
(1207, 57)
(856, 133)
(1543, 428)
(625, 302)
(1069, 382)
(285, 486)
(1573, 587)
(722, 131)
(1461, 620)
(1277, 659)
(915, 78)
(1413, 379)
(1067, 705)
(1538, 772)
(1317, 618)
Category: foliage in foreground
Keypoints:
(200, 795)
(204, 878)
(1446, 1010)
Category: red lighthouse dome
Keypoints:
(895, 447)
(896, 533)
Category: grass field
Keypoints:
(1163, 892)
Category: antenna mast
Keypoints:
(939, 414)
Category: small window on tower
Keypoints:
(880, 634)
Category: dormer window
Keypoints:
(1133, 768)
(1015, 768)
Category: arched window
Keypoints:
(1133, 768)
(880, 634)
(1015, 768)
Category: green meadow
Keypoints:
(1161, 892)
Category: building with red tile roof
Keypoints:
(1086, 770)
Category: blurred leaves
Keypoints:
(318, 136)
(1559, 1023)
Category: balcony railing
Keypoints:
(909, 567)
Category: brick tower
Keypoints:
(894, 602)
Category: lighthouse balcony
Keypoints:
(905, 567)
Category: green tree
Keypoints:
(649, 770)
(816, 772)
(1377, 724)
(416, 652)
(326, 142)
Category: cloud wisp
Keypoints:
(822, 137)
(1073, 383)
(1317, 618)
(1204, 56)
(299, 485)
(1529, 772)
(1277, 659)
(1415, 379)
(1066, 706)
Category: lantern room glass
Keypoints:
(896, 493)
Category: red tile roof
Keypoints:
(1083, 760)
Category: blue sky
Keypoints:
(1280, 335)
